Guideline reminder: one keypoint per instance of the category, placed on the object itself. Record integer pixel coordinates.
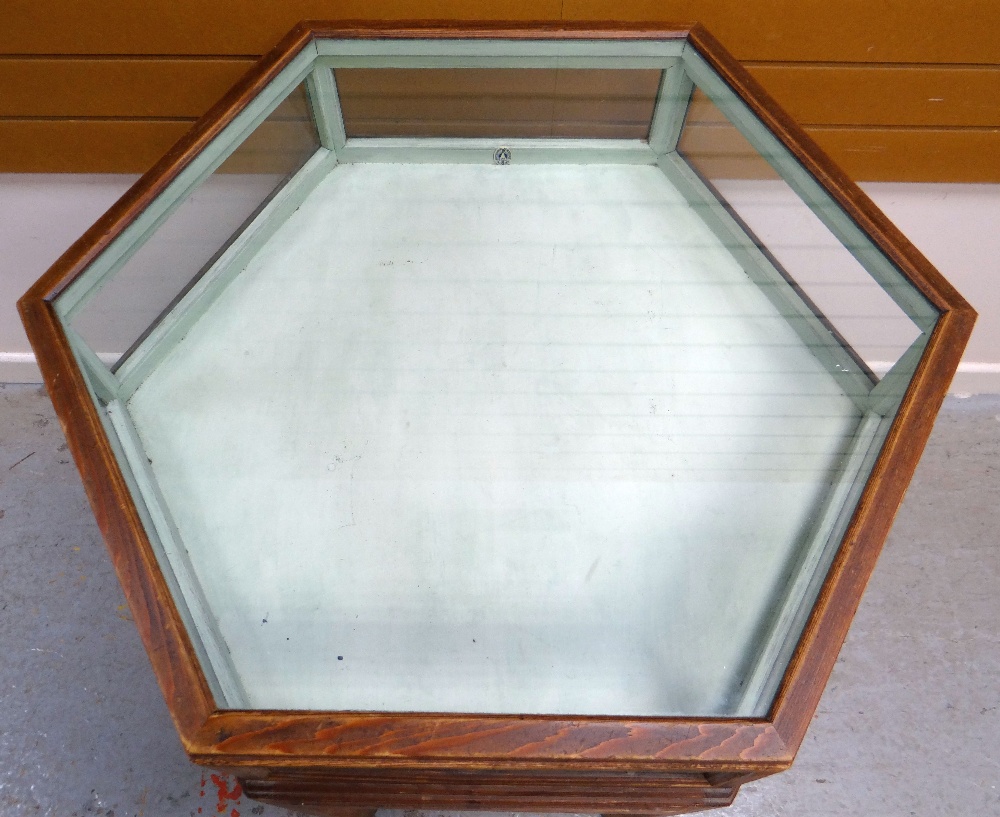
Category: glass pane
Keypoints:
(860, 309)
(479, 102)
(156, 273)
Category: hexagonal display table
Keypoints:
(495, 418)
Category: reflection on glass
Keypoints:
(132, 300)
(840, 289)
(479, 102)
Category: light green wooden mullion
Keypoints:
(906, 296)
(177, 563)
(161, 340)
(325, 102)
(889, 391)
(204, 164)
(481, 151)
(800, 317)
(167, 570)
(546, 62)
(769, 656)
(486, 53)
(103, 382)
(672, 102)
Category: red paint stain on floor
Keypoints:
(227, 790)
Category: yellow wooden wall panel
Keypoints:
(85, 145)
(204, 27)
(894, 91)
(953, 31)
(122, 88)
(927, 96)
(914, 154)
(868, 31)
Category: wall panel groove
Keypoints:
(894, 93)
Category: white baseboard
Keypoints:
(976, 378)
(19, 367)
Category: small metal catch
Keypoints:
(501, 156)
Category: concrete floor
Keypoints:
(909, 724)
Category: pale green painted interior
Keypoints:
(525, 408)
(558, 431)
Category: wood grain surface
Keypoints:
(535, 790)
(907, 92)
(493, 738)
(920, 31)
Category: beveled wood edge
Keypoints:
(608, 792)
(237, 737)
(170, 650)
(227, 738)
(493, 29)
(825, 632)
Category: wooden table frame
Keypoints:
(353, 762)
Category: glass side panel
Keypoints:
(156, 273)
(864, 312)
(479, 102)
(857, 313)
(509, 439)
